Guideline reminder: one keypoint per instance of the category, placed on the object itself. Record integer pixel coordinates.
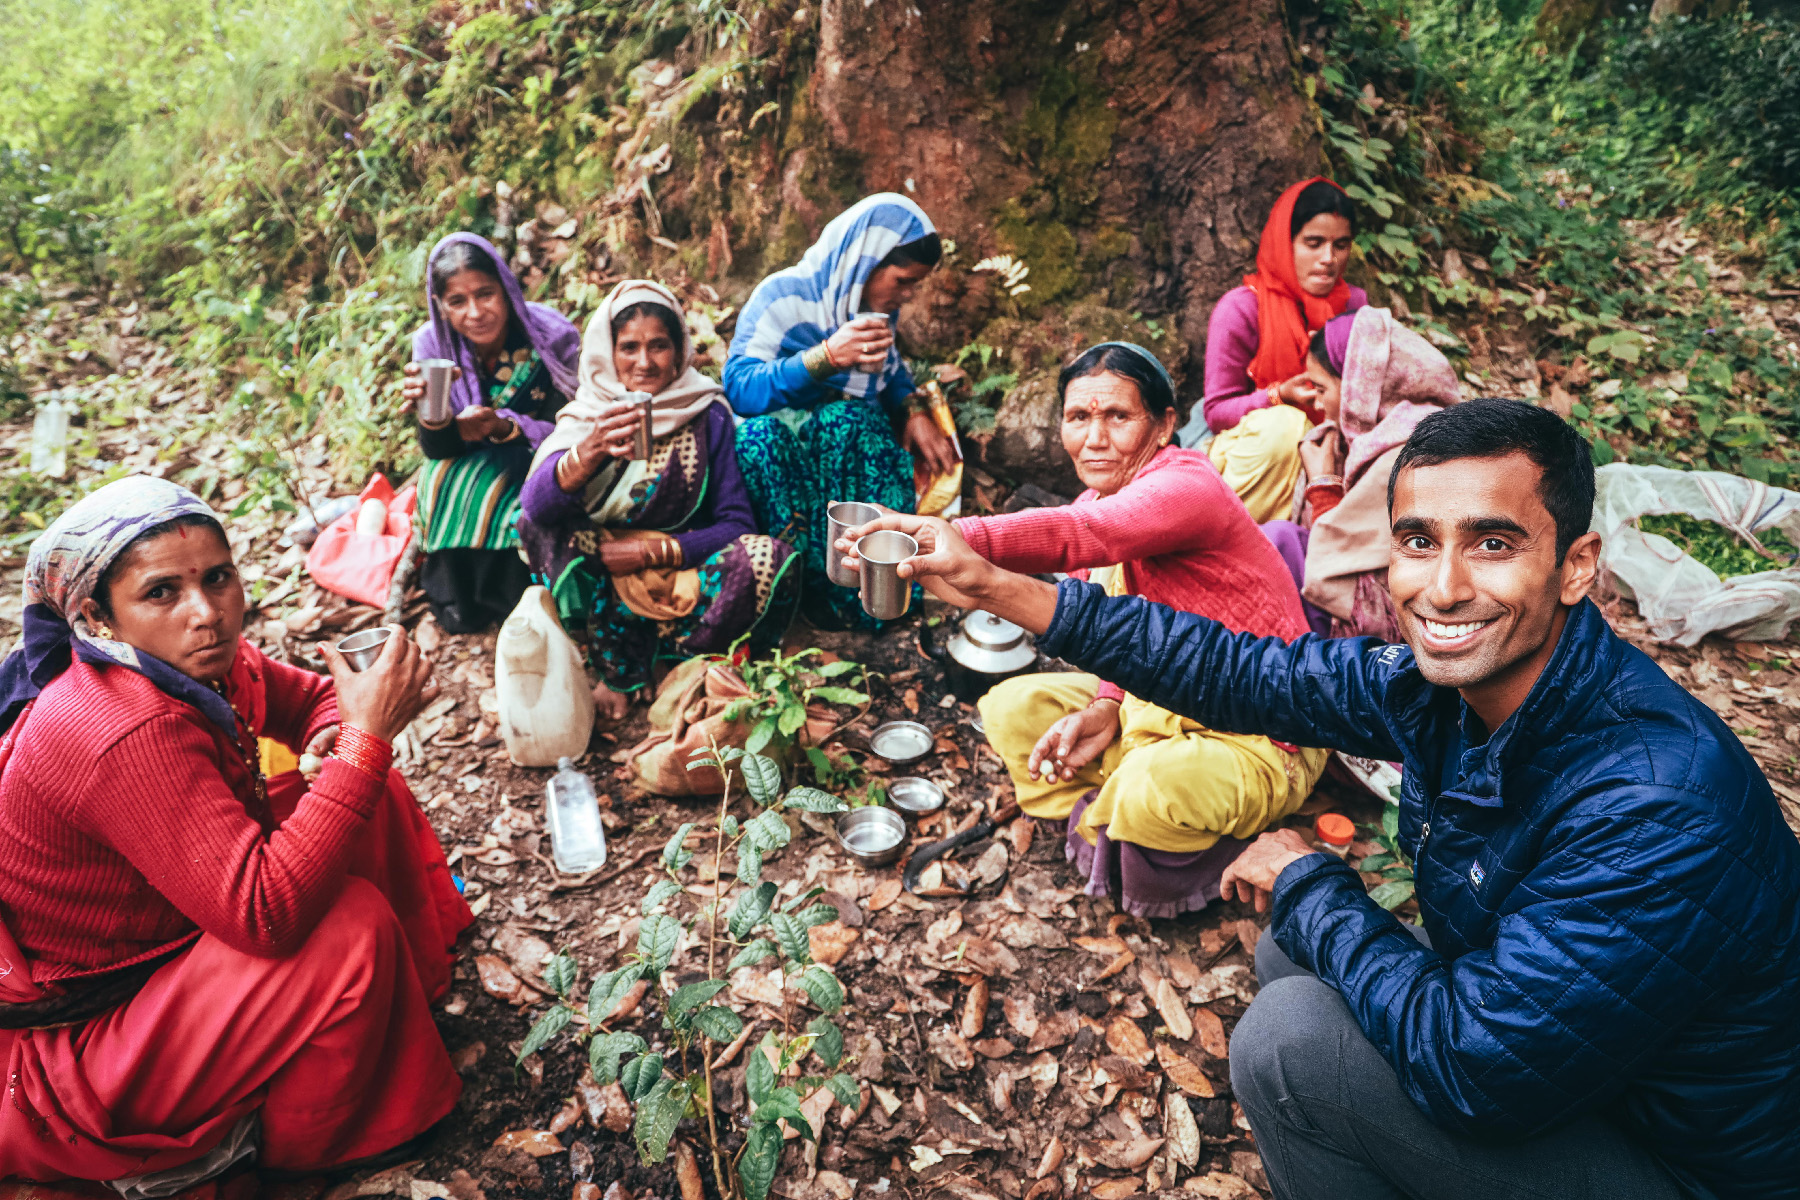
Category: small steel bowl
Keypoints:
(873, 836)
(901, 742)
(915, 797)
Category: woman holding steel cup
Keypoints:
(1155, 805)
(818, 337)
(509, 366)
(645, 536)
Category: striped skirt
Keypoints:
(470, 502)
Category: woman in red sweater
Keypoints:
(194, 959)
(1156, 805)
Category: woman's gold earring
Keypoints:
(105, 632)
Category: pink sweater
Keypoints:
(1231, 341)
(1183, 536)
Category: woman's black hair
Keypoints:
(457, 258)
(1317, 199)
(103, 588)
(925, 252)
(1152, 384)
(1316, 349)
(649, 308)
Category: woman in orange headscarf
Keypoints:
(1259, 402)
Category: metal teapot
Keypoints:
(985, 650)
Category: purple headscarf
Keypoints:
(66, 565)
(552, 335)
(1337, 341)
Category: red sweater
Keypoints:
(130, 821)
(1183, 536)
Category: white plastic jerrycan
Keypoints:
(546, 706)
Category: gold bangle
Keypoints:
(817, 361)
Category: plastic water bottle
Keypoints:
(577, 839)
(50, 439)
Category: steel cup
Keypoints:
(872, 316)
(361, 649)
(885, 595)
(640, 437)
(845, 514)
(434, 406)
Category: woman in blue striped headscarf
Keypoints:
(830, 403)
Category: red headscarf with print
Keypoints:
(1287, 315)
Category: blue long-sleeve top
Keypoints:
(754, 386)
(1612, 895)
(722, 517)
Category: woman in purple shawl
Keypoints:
(515, 369)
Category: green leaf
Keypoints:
(841, 667)
(839, 695)
(1390, 821)
(692, 996)
(729, 826)
(1375, 862)
(719, 1024)
(828, 1040)
(754, 953)
(802, 898)
(731, 754)
(559, 973)
(767, 831)
(762, 778)
(759, 1074)
(808, 799)
(659, 895)
(657, 1115)
(756, 1167)
(751, 909)
(674, 856)
(640, 1075)
(791, 718)
(658, 937)
(817, 914)
(608, 990)
(790, 935)
(749, 862)
(605, 1051)
(548, 1026)
(1393, 894)
(760, 735)
(823, 987)
(847, 1091)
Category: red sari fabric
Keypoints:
(1287, 315)
(300, 940)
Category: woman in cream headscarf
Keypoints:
(654, 558)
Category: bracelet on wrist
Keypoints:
(817, 361)
(361, 749)
(1106, 700)
(1326, 482)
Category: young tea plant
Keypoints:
(780, 687)
(675, 1081)
(1396, 886)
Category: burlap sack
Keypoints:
(687, 714)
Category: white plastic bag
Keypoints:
(1682, 599)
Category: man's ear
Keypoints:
(1580, 565)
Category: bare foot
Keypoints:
(609, 706)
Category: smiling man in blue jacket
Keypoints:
(1604, 1000)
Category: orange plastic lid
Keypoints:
(1335, 828)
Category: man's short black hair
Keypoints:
(1490, 428)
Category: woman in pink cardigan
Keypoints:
(1156, 805)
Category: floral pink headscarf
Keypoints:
(1393, 379)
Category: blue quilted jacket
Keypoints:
(1612, 897)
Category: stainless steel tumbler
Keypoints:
(361, 649)
(434, 407)
(885, 595)
(640, 438)
(845, 514)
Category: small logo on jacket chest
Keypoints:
(1476, 874)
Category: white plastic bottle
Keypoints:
(546, 703)
(577, 838)
(50, 439)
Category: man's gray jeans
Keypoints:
(1332, 1122)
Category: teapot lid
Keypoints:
(989, 632)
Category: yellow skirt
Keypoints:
(1260, 459)
(1166, 783)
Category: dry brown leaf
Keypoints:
(1183, 1073)
(910, 698)
(731, 1052)
(1182, 971)
(1101, 945)
(536, 1142)
(1000, 1093)
(1052, 1159)
(1216, 1185)
(1019, 835)
(1123, 1072)
(464, 1057)
(950, 1047)
(1118, 964)
(1021, 1014)
(1182, 1130)
(585, 1191)
(498, 980)
(831, 941)
(629, 1002)
(1127, 1041)
(1026, 932)
(687, 1172)
(1248, 933)
(1117, 1189)
(566, 1116)
(885, 893)
(989, 957)
(1126, 1156)
(994, 1047)
(1049, 1188)
(974, 1013)
(618, 1108)
(1044, 1070)
(1210, 1032)
(1173, 1012)
(1053, 1031)
(943, 929)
